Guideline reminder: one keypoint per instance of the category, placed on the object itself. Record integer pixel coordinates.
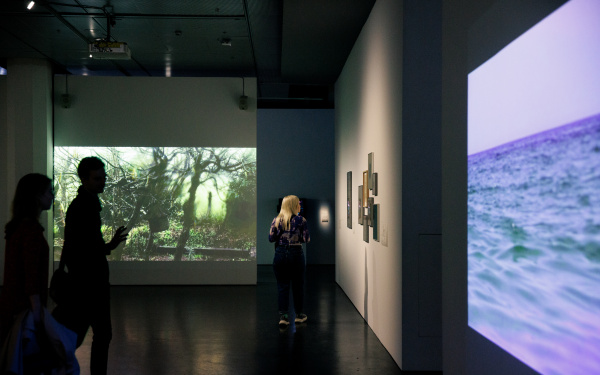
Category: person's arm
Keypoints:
(119, 237)
(33, 251)
(274, 233)
(305, 236)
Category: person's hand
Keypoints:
(120, 236)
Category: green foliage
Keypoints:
(136, 242)
(241, 200)
(153, 184)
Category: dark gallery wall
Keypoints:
(295, 155)
(4, 202)
(422, 183)
(473, 31)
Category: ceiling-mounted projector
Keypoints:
(109, 50)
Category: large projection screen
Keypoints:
(534, 193)
(180, 158)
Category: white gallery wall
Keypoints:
(25, 131)
(160, 112)
(368, 119)
(388, 103)
(122, 111)
(154, 111)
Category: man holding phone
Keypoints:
(84, 254)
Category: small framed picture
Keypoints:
(365, 190)
(349, 199)
(375, 222)
(370, 170)
(360, 205)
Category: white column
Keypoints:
(25, 132)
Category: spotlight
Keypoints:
(30, 5)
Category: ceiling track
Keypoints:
(98, 12)
(65, 22)
(54, 62)
(60, 17)
(251, 46)
(130, 15)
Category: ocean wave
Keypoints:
(534, 245)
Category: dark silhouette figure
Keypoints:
(84, 255)
(27, 252)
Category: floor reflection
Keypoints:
(233, 330)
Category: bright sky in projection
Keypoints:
(548, 77)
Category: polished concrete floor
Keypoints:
(233, 330)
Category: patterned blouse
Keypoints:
(297, 234)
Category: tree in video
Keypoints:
(179, 203)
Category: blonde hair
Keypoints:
(288, 208)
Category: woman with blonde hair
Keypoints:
(289, 230)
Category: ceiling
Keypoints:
(295, 48)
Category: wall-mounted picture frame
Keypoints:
(365, 190)
(375, 222)
(370, 211)
(349, 199)
(365, 226)
(375, 181)
(360, 205)
(370, 171)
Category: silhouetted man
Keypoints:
(84, 255)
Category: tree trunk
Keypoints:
(188, 212)
(117, 254)
(149, 246)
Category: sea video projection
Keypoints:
(534, 194)
(179, 203)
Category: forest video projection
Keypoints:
(178, 203)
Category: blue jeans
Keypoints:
(289, 266)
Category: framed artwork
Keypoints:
(375, 184)
(365, 227)
(349, 199)
(370, 170)
(360, 205)
(365, 190)
(375, 221)
(370, 211)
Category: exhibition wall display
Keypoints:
(368, 211)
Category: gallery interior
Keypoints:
(365, 113)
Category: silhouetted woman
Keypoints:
(289, 230)
(27, 252)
